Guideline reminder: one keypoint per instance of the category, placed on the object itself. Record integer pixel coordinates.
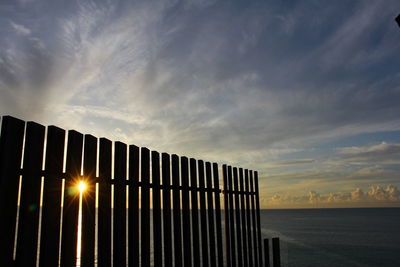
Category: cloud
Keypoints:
(377, 195)
(20, 29)
(387, 153)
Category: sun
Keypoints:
(82, 186)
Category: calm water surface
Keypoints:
(335, 237)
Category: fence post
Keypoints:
(266, 252)
(203, 214)
(276, 252)
(177, 211)
(187, 245)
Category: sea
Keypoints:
(367, 237)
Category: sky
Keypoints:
(305, 92)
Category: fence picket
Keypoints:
(238, 221)
(218, 223)
(260, 258)
(232, 218)
(248, 217)
(195, 213)
(133, 203)
(210, 209)
(203, 214)
(166, 181)
(30, 196)
(227, 217)
(51, 209)
(88, 201)
(157, 240)
(243, 213)
(176, 211)
(145, 207)
(253, 218)
(104, 208)
(187, 245)
(71, 199)
(12, 134)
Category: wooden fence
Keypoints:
(40, 207)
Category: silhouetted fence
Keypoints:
(39, 205)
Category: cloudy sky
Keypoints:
(305, 92)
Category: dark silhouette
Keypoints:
(97, 153)
(398, 20)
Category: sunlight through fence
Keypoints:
(68, 199)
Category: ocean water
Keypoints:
(335, 237)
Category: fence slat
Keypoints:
(88, 201)
(145, 207)
(238, 221)
(51, 209)
(104, 208)
(12, 134)
(133, 228)
(248, 216)
(218, 222)
(195, 214)
(176, 211)
(155, 165)
(227, 218)
(260, 258)
(30, 196)
(243, 213)
(187, 245)
(210, 209)
(203, 214)
(166, 181)
(71, 199)
(232, 218)
(253, 218)
(119, 231)
(266, 253)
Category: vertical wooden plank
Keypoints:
(104, 208)
(155, 165)
(276, 252)
(11, 140)
(210, 209)
(195, 213)
(248, 216)
(119, 232)
(133, 249)
(187, 245)
(258, 218)
(231, 216)
(51, 209)
(253, 218)
(71, 199)
(176, 211)
(238, 221)
(266, 252)
(88, 201)
(30, 196)
(243, 213)
(145, 207)
(166, 181)
(203, 214)
(218, 222)
(227, 219)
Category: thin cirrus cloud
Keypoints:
(249, 83)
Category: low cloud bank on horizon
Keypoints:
(305, 92)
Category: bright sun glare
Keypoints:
(82, 186)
